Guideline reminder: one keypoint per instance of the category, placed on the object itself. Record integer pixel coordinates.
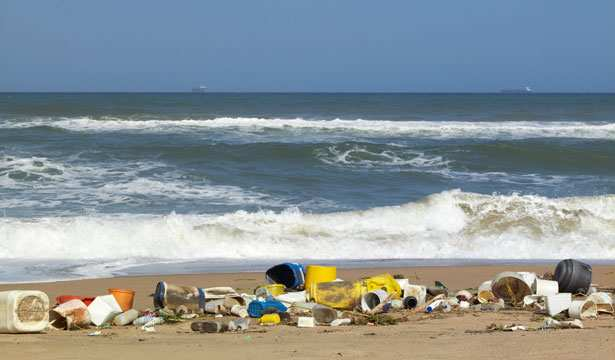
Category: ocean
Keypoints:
(102, 184)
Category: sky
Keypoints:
(307, 45)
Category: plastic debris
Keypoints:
(555, 304)
(305, 322)
(550, 323)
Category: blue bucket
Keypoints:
(291, 275)
(256, 308)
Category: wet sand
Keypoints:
(437, 336)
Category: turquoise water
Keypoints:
(105, 181)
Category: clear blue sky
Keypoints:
(307, 45)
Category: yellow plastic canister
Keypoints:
(343, 295)
(316, 274)
(271, 289)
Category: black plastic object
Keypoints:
(410, 302)
(573, 276)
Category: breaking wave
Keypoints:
(424, 129)
(451, 224)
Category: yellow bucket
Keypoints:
(316, 274)
(271, 289)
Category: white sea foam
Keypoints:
(362, 157)
(423, 129)
(452, 224)
(39, 182)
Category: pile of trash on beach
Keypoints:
(313, 295)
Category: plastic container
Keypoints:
(23, 311)
(555, 304)
(410, 302)
(270, 290)
(418, 292)
(603, 301)
(323, 314)
(291, 275)
(124, 297)
(545, 287)
(70, 315)
(372, 299)
(305, 322)
(126, 318)
(513, 286)
(103, 309)
(172, 296)
(317, 274)
(573, 276)
(343, 295)
(485, 293)
(269, 319)
(583, 309)
(256, 308)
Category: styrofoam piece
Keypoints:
(603, 301)
(555, 304)
(305, 322)
(419, 292)
(103, 309)
(583, 309)
(23, 311)
(292, 297)
(545, 287)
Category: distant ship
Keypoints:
(525, 90)
(200, 89)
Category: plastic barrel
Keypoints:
(573, 276)
(291, 275)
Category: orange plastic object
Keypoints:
(124, 297)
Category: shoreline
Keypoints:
(435, 336)
(217, 266)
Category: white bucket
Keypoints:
(555, 304)
(603, 301)
(373, 299)
(23, 311)
(103, 309)
(513, 286)
(545, 287)
(583, 309)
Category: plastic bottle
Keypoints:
(434, 306)
(126, 318)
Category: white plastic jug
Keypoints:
(23, 311)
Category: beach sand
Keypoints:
(436, 336)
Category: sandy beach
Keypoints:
(437, 336)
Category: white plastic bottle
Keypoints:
(126, 318)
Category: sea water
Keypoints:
(97, 184)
